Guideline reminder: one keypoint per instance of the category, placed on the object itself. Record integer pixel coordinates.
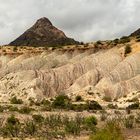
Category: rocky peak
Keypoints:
(43, 22)
(43, 33)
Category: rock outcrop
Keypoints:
(43, 33)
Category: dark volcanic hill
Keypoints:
(43, 33)
(136, 33)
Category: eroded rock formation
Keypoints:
(49, 74)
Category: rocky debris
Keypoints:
(43, 33)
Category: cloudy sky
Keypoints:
(84, 20)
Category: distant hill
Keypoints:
(43, 33)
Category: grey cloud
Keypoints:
(84, 20)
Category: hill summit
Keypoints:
(43, 33)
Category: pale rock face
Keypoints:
(49, 74)
(117, 83)
(101, 69)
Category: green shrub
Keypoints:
(45, 102)
(53, 121)
(78, 107)
(90, 123)
(137, 119)
(30, 128)
(15, 48)
(12, 108)
(12, 127)
(2, 108)
(78, 98)
(128, 49)
(25, 110)
(129, 122)
(133, 106)
(72, 128)
(61, 102)
(12, 120)
(46, 108)
(111, 106)
(38, 118)
(73, 125)
(14, 100)
(93, 105)
(46, 105)
(107, 98)
(111, 131)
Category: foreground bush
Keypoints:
(73, 125)
(111, 131)
(12, 127)
(30, 128)
(91, 123)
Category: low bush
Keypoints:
(73, 125)
(53, 121)
(111, 106)
(78, 107)
(93, 105)
(12, 127)
(91, 123)
(14, 100)
(107, 98)
(61, 102)
(25, 110)
(30, 128)
(128, 49)
(111, 131)
(13, 108)
(2, 108)
(78, 98)
(133, 106)
(137, 119)
(129, 122)
(38, 118)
